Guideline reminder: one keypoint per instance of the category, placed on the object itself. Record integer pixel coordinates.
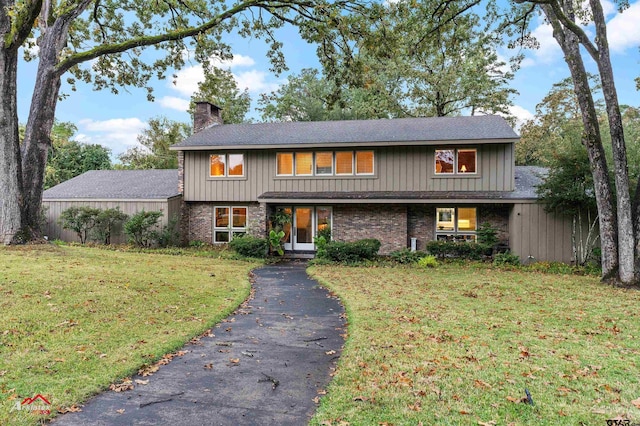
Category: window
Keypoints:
(229, 222)
(364, 162)
(455, 161)
(226, 165)
(456, 223)
(284, 164)
(325, 163)
(304, 163)
(344, 163)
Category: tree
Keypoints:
(155, 141)
(101, 42)
(220, 88)
(619, 225)
(427, 58)
(309, 97)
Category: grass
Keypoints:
(73, 320)
(459, 344)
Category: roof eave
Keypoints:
(246, 146)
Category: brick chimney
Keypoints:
(206, 115)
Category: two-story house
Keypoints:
(394, 180)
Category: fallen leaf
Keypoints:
(330, 352)
(316, 400)
(73, 409)
(489, 423)
(234, 360)
(481, 384)
(59, 360)
(636, 402)
(516, 400)
(361, 398)
(141, 382)
(208, 366)
(121, 387)
(464, 412)
(120, 411)
(148, 370)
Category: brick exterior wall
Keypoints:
(421, 224)
(498, 216)
(385, 222)
(198, 223)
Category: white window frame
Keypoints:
(225, 155)
(455, 233)
(455, 171)
(230, 229)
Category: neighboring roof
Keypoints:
(527, 178)
(488, 128)
(118, 185)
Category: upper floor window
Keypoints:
(456, 161)
(325, 163)
(226, 165)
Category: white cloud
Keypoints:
(187, 79)
(549, 49)
(521, 114)
(623, 31)
(118, 134)
(255, 81)
(172, 102)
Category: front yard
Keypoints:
(460, 344)
(75, 319)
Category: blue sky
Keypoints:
(116, 120)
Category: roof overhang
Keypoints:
(290, 146)
(393, 198)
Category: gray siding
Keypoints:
(536, 233)
(54, 208)
(396, 169)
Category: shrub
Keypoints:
(487, 235)
(406, 256)
(107, 223)
(506, 258)
(142, 228)
(353, 251)
(81, 220)
(275, 241)
(462, 250)
(427, 262)
(321, 246)
(325, 233)
(170, 234)
(250, 246)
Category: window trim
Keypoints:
(226, 174)
(455, 172)
(334, 164)
(230, 229)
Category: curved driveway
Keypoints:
(264, 366)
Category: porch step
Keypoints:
(299, 254)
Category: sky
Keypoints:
(116, 120)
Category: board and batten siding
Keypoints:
(535, 235)
(54, 208)
(407, 168)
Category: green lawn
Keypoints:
(74, 320)
(459, 345)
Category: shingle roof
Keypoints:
(527, 178)
(395, 131)
(118, 184)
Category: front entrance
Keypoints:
(306, 221)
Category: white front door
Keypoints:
(303, 228)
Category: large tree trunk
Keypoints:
(10, 173)
(37, 141)
(569, 43)
(626, 241)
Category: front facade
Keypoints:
(404, 182)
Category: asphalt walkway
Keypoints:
(264, 365)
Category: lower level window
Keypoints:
(229, 222)
(456, 223)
